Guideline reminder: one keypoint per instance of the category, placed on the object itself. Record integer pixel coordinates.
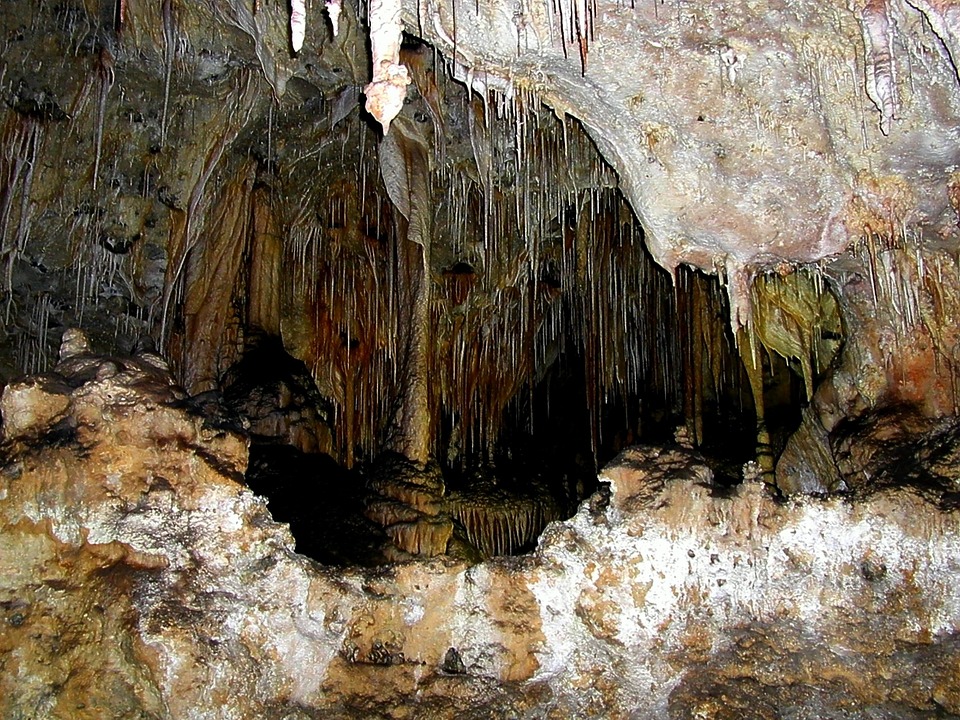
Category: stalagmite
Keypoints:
(409, 503)
(140, 574)
(478, 291)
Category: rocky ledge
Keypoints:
(140, 578)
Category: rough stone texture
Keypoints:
(173, 169)
(897, 446)
(140, 578)
(898, 366)
(741, 132)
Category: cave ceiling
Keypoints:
(743, 134)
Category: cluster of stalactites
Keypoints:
(298, 20)
(797, 317)
(388, 88)
(502, 524)
(524, 270)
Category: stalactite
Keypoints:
(879, 62)
(575, 22)
(699, 322)
(750, 349)
(500, 522)
(169, 54)
(266, 266)
(404, 167)
(33, 351)
(183, 236)
(502, 308)
(298, 24)
(799, 319)
(21, 143)
(341, 256)
(120, 16)
(944, 19)
(425, 539)
(388, 88)
(105, 72)
(333, 12)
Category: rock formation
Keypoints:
(417, 271)
(141, 578)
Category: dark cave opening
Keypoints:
(543, 464)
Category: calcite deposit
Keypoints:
(581, 208)
(418, 272)
(139, 577)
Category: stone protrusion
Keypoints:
(32, 405)
(409, 502)
(73, 343)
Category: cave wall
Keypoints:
(898, 357)
(176, 171)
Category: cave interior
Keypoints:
(456, 361)
(436, 318)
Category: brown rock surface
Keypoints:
(140, 578)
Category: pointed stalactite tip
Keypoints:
(298, 24)
(385, 95)
(333, 10)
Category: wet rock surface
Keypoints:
(139, 577)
